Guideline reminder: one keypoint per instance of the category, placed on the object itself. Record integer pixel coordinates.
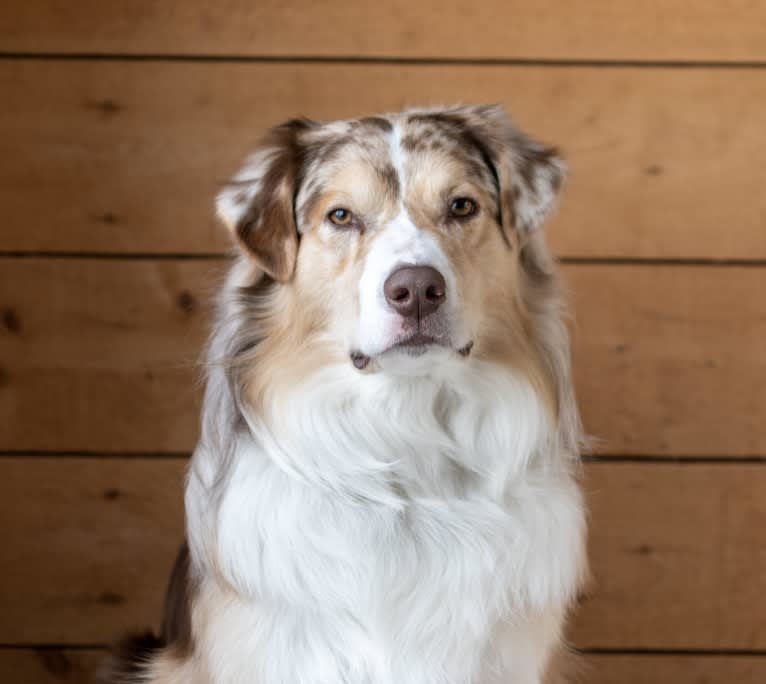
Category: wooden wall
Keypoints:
(118, 121)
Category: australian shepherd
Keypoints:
(385, 489)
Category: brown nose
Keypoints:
(415, 291)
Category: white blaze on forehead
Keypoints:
(397, 157)
(400, 243)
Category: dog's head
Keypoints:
(394, 243)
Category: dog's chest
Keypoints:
(372, 593)
(385, 599)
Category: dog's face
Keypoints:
(394, 243)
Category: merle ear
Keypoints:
(257, 204)
(530, 174)
(536, 178)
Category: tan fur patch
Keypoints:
(298, 317)
(459, 152)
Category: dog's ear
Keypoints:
(529, 174)
(257, 204)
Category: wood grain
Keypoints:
(675, 669)
(99, 355)
(55, 665)
(89, 545)
(127, 156)
(49, 665)
(599, 29)
(678, 557)
(670, 360)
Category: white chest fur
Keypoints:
(440, 544)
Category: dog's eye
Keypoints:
(340, 216)
(462, 207)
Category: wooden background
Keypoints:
(119, 119)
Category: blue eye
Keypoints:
(340, 216)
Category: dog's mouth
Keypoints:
(413, 345)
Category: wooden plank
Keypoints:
(54, 665)
(678, 669)
(49, 665)
(508, 29)
(127, 156)
(670, 360)
(89, 546)
(99, 355)
(678, 557)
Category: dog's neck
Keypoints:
(381, 437)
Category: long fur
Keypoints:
(381, 528)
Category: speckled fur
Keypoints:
(416, 520)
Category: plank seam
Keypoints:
(215, 256)
(53, 646)
(587, 458)
(127, 256)
(690, 652)
(670, 652)
(661, 261)
(385, 60)
(716, 459)
(105, 455)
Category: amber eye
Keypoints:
(462, 207)
(340, 216)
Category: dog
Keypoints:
(386, 486)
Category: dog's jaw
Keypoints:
(414, 348)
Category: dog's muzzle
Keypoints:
(416, 293)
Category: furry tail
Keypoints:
(129, 659)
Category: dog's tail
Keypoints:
(129, 659)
